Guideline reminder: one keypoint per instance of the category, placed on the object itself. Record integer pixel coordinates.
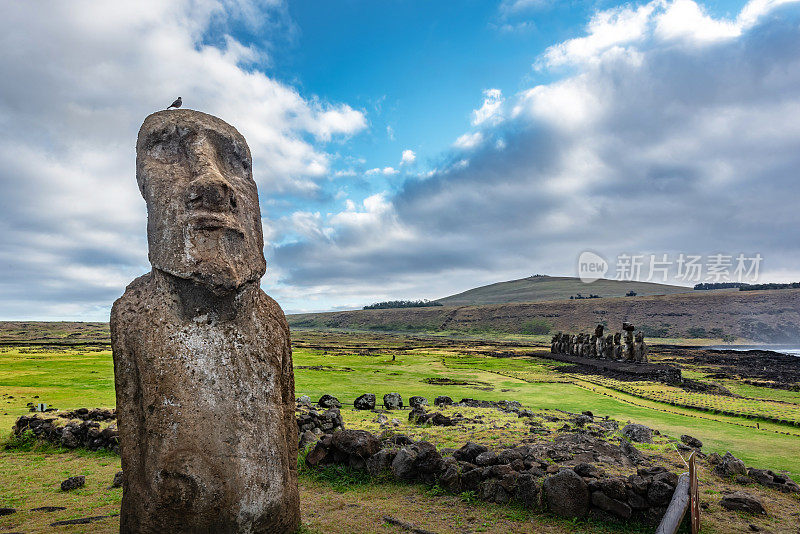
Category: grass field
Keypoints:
(347, 365)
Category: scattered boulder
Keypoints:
(380, 463)
(741, 501)
(691, 442)
(310, 419)
(442, 400)
(660, 493)
(612, 506)
(73, 483)
(586, 470)
(638, 433)
(329, 401)
(566, 494)
(417, 401)
(365, 402)
(304, 400)
(118, 480)
(419, 416)
(418, 461)
(48, 509)
(356, 445)
(469, 452)
(381, 419)
(729, 465)
(392, 401)
(7, 511)
(767, 478)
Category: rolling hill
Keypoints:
(545, 288)
(764, 316)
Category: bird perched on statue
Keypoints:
(178, 103)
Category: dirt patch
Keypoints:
(435, 381)
(324, 368)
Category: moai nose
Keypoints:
(209, 188)
(212, 192)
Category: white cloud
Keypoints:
(386, 171)
(489, 112)
(615, 31)
(661, 139)
(408, 157)
(468, 141)
(78, 79)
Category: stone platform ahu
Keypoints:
(202, 360)
(629, 348)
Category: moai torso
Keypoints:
(202, 356)
(608, 347)
(617, 346)
(640, 348)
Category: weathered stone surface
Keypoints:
(329, 401)
(691, 442)
(659, 493)
(380, 463)
(469, 452)
(7, 511)
(567, 494)
(202, 359)
(392, 401)
(73, 483)
(743, 502)
(729, 465)
(119, 478)
(638, 433)
(420, 461)
(611, 505)
(442, 400)
(416, 401)
(365, 402)
(356, 443)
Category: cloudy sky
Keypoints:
(407, 149)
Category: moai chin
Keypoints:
(202, 360)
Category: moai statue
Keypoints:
(598, 342)
(587, 352)
(640, 348)
(202, 360)
(617, 346)
(554, 343)
(593, 346)
(627, 348)
(608, 347)
(573, 344)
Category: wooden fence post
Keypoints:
(677, 507)
(694, 494)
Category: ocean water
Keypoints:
(792, 350)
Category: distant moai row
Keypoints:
(610, 347)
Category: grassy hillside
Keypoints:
(543, 288)
(764, 316)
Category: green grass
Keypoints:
(71, 379)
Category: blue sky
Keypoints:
(405, 149)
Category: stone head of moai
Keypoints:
(628, 327)
(598, 331)
(639, 337)
(203, 218)
(617, 338)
